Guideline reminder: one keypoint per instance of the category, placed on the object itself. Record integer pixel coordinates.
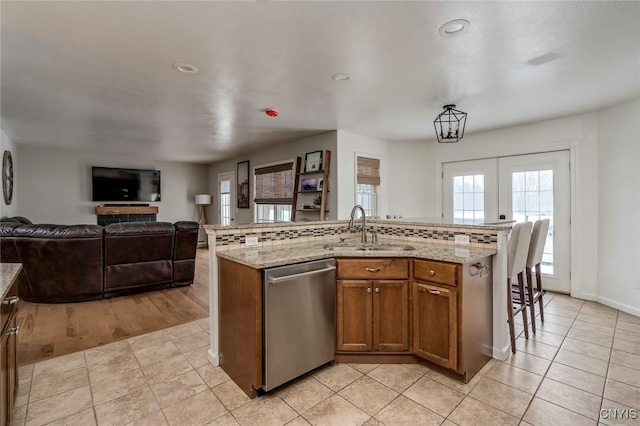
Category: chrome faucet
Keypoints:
(363, 236)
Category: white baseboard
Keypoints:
(502, 353)
(214, 358)
(588, 296)
(620, 306)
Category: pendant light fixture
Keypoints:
(449, 124)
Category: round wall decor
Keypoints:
(7, 177)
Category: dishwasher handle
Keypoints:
(302, 274)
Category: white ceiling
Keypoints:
(99, 76)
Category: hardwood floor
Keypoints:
(51, 330)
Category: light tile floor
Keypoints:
(586, 357)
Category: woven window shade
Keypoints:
(274, 184)
(368, 171)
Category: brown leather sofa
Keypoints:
(85, 262)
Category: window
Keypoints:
(532, 199)
(225, 202)
(468, 199)
(274, 192)
(367, 183)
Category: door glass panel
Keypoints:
(225, 202)
(532, 196)
(468, 199)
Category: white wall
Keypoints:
(619, 206)
(350, 144)
(577, 132)
(412, 179)
(55, 185)
(7, 144)
(274, 154)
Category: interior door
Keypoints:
(226, 198)
(518, 188)
(469, 191)
(537, 186)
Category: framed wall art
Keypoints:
(313, 161)
(242, 177)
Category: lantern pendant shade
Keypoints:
(203, 199)
(450, 124)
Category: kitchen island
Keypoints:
(456, 283)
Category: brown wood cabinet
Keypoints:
(452, 323)
(372, 314)
(435, 324)
(8, 354)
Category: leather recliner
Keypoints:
(85, 262)
(184, 253)
(137, 254)
(61, 263)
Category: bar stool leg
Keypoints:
(532, 303)
(524, 308)
(539, 285)
(512, 330)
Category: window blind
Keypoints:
(274, 184)
(368, 171)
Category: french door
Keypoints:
(226, 197)
(517, 188)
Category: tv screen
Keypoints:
(114, 184)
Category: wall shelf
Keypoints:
(322, 210)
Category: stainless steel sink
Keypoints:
(392, 248)
(373, 247)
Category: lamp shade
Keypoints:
(203, 199)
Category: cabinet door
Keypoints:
(4, 382)
(354, 313)
(12, 365)
(435, 324)
(391, 315)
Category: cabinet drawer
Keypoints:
(437, 272)
(373, 268)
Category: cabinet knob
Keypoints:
(368, 289)
(372, 269)
(11, 300)
(377, 290)
(14, 330)
(432, 272)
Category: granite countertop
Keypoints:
(8, 274)
(279, 255)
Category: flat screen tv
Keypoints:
(114, 184)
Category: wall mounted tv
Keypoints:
(114, 184)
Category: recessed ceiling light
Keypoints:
(341, 77)
(185, 68)
(454, 28)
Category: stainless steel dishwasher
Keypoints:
(299, 319)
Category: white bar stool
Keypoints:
(534, 259)
(517, 252)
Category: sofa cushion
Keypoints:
(134, 242)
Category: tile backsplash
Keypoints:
(228, 238)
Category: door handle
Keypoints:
(11, 300)
(302, 274)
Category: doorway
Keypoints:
(226, 197)
(517, 188)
